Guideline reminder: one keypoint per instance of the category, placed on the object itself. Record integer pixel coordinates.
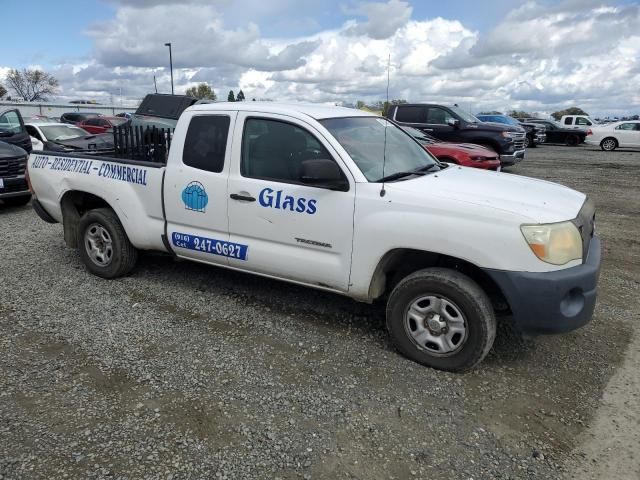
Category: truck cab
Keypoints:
(578, 122)
(452, 124)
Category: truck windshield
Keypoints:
(364, 139)
(466, 116)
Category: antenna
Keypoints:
(154, 81)
(384, 151)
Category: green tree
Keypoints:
(240, 96)
(360, 104)
(385, 106)
(230, 97)
(3, 91)
(568, 111)
(519, 114)
(494, 112)
(31, 85)
(202, 91)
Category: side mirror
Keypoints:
(323, 173)
(4, 133)
(455, 123)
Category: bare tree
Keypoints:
(3, 91)
(31, 85)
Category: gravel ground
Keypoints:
(183, 371)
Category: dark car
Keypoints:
(77, 117)
(452, 124)
(536, 133)
(556, 133)
(69, 138)
(12, 129)
(14, 190)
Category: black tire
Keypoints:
(609, 144)
(531, 142)
(17, 201)
(471, 301)
(123, 255)
(572, 140)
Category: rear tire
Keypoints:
(17, 201)
(572, 140)
(104, 246)
(441, 318)
(609, 144)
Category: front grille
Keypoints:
(15, 186)
(518, 141)
(586, 223)
(12, 167)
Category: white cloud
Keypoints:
(383, 19)
(582, 52)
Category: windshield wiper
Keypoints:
(418, 171)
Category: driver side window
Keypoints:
(274, 150)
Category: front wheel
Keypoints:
(529, 142)
(104, 246)
(441, 318)
(609, 144)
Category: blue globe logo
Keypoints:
(195, 197)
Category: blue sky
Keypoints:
(63, 23)
(538, 55)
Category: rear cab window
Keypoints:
(411, 114)
(205, 144)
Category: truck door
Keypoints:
(440, 123)
(291, 230)
(195, 188)
(12, 129)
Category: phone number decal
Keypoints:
(210, 245)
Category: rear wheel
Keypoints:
(609, 144)
(441, 318)
(572, 140)
(17, 201)
(105, 248)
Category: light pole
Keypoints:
(170, 64)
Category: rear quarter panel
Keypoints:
(133, 191)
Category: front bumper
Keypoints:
(552, 302)
(14, 187)
(512, 158)
(541, 138)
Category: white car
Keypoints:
(624, 134)
(36, 145)
(340, 200)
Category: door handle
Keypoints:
(242, 198)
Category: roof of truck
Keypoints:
(316, 111)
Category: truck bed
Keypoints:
(131, 187)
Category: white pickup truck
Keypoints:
(344, 201)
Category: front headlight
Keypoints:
(555, 243)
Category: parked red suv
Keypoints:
(101, 124)
(465, 154)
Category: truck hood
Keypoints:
(8, 150)
(495, 127)
(470, 148)
(535, 201)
